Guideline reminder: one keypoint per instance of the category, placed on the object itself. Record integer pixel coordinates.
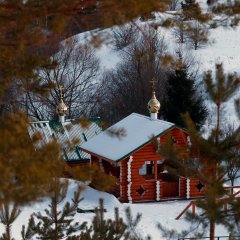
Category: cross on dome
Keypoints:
(154, 82)
(61, 107)
(61, 88)
(153, 104)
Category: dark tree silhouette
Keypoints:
(183, 97)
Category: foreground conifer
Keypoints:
(58, 221)
(208, 158)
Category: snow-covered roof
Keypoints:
(66, 134)
(138, 130)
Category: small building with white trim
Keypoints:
(133, 158)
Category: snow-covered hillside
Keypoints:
(152, 213)
(223, 47)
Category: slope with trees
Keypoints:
(126, 89)
(76, 69)
(23, 35)
(209, 158)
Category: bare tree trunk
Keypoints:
(195, 45)
(212, 229)
(232, 184)
(8, 216)
(54, 202)
(218, 122)
(8, 232)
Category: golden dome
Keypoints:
(61, 108)
(153, 104)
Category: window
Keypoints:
(160, 166)
(143, 170)
(147, 168)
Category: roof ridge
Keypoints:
(149, 118)
(140, 129)
(43, 121)
(93, 119)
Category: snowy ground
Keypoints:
(152, 213)
(223, 47)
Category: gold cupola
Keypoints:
(61, 108)
(153, 104)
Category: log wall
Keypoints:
(133, 187)
(194, 192)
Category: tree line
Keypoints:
(30, 72)
(126, 88)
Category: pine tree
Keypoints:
(25, 28)
(208, 157)
(197, 34)
(105, 229)
(112, 229)
(8, 215)
(29, 232)
(233, 163)
(217, 147)
(25, 170)
(57, 222)
(30, 32)
(182, 97)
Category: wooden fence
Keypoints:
(192, 204)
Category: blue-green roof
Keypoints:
(67, 134)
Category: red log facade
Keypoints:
(142, 176)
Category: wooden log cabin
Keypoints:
(134, 159)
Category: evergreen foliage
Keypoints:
(100, 180)
(112, 229)
(207, 158)
(29, 232)
(27, 28)
(26, 170)
(105, 229)
(8, 214)
(233, 164)
(57, 222)
(183, 97)
(197, 34)
(30, 32)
